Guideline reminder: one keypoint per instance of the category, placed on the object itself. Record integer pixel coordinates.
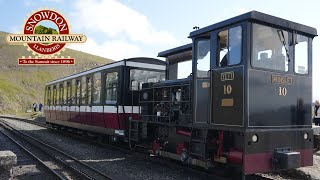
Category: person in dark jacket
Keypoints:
(35, 107)
(317, 113)
(40, 107)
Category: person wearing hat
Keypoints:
(317, 113)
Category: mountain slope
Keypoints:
(21, 86)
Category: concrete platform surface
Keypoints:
(7, 158)
(316, 129)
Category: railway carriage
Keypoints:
(100, 100)
(239, 96)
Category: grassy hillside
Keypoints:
(21, 86)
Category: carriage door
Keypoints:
(227, 79)
(202, 81)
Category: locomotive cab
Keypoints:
(252, 78)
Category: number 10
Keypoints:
(282, 91)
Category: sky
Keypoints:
(134, 28)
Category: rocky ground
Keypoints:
(119, 164)
(130, 166)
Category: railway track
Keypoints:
(204, 174)
(26, 160)
(63, 162)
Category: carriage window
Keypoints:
(301, 55)
(111, 87)
(61, 94)
(48, 96)
(230, 42)
(78, 97)
(203, 58)
(270, 48)
(96, 87)
(138, 77)
(89, 81)
(54, 95)
(65, 93)
(57, 95)
(69, 93)
(73, 92)
(83, 90)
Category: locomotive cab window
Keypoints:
(139, 76)
(184, 69)
(203, 58)
(230, 46)
(301, 54)
(270, 48)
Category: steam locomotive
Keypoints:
(239, 96)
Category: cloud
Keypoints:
(116, 31)
(116, 49)
(114, 19)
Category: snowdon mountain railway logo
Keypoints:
(45, 33)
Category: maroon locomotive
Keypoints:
(239, 96)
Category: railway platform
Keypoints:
(316, 129)
(7, 160)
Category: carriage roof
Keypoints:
(141, 62)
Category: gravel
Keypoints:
(122, 165)
(116, 163)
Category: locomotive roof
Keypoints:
(141, 62)
(166, 53)
(255, 16)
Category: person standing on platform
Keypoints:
(317, 113)
(40, 107)
(35, 107)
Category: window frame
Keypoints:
(93, 89)
(308, 53)
(48, 96)
(84, 99)
(195, 59)
(217, 60)
(60, 93)
(54, 95)
(146, 69)
(69, 91)
(89, 95)
(290, 49)
(78, 94)
(65, 95)
(105, 73)
(73, 92)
